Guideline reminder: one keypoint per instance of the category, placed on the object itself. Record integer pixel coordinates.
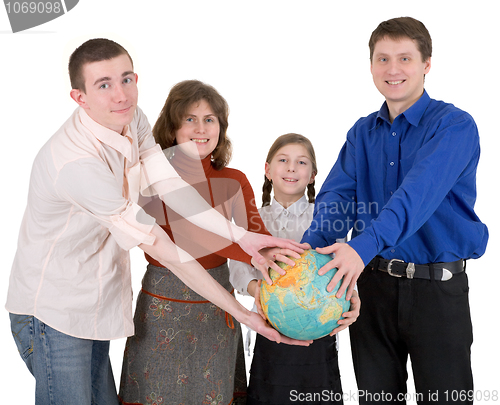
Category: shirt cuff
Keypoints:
(132, 227)
(365, 247)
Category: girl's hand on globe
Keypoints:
(351, 316)
(256, 294)
(272, 254)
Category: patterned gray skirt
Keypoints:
(185, 349)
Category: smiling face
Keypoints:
(110, 95)
(290, 171)
(398, 73)
(200, 129)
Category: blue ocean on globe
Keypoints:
(298, 304)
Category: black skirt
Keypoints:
(285, 374)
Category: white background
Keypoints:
(283, 66)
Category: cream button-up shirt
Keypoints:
(71, 268)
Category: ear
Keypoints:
(313, 176)
(79, 96)
(136, 78)
(267, 171)
(427, 67)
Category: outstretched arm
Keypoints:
(194, 276)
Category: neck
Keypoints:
(286, 200)
(397, 108)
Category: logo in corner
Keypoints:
(28, 14)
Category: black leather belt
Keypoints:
(399, 268)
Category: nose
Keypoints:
(393, 66)
(200, 127)
(119, 94)
(291, 167)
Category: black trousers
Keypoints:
(426, 319)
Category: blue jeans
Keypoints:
(68, 370)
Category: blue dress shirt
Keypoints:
(407, 189)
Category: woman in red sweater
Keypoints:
(185, 349)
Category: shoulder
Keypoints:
(230, 173)
(440, 110)
(363, 125)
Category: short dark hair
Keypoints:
(94, 50)
(182, 96)
(403, 27)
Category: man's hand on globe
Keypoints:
(349, 266)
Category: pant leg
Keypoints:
(379, 353)
(440, 339)
(63, 366)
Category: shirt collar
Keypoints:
(413, 114)
(297, 208)
(121, 143)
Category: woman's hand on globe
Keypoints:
(350, 316)
(262, 327)
(255, 287)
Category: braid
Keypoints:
(266, 191)
(311, 192)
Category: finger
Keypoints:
(335, 280)
(291, 244)
(274, 266)
(338, 329)
(258, 257)
(350, 289)
(265, 274)
(327, 249)
(295, 342)
(343, 287)
(327, 267)
(285, 259)
(289, 252)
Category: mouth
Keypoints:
(123, 111)
(198, 140)
(289, 180)
(394, 82)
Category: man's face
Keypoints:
(398, 73)
(110, 96)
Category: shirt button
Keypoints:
(285, 213)
(392, 250)
(394, 134)
(392, 163)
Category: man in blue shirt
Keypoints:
(405, 183)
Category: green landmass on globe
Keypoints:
(298, 304)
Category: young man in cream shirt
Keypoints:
(70, 286)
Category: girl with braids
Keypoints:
(282, 374)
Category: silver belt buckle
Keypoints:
(410, 269)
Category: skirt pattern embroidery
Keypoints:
(184, 350)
